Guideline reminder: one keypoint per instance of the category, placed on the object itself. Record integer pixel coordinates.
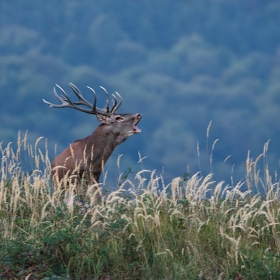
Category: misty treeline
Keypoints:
(197, 71)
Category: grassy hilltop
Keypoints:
(192, 228)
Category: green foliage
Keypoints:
(192, 228)
(146, 236)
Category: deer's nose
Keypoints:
(139, 116)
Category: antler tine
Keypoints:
(106, 108)
(66, 102)
(116, 106)
(94, 103)
(63, 99)
(47, 102)
(114, 102)
(82, 100)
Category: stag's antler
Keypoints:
(115, 105)
(66, 102)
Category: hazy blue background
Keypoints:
(179, 63)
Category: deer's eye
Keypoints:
(119, 118)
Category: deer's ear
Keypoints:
(103, 118)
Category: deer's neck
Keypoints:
(101, 143)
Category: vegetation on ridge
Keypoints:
(192, 228)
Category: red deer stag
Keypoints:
(84, 159)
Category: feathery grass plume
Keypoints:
(234, 248)
(198, 155)
(140, 180)
(211, 155)
(196, 187)
(119, 161)
(207, 136)
(38, 153)
(226, 158)
(141, 160)
(208, 129)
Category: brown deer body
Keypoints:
(85, 158)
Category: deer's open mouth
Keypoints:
(135, 128)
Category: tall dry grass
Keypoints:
(192, 228)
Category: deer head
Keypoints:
(89, 154)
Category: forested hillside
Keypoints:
(181, 64)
